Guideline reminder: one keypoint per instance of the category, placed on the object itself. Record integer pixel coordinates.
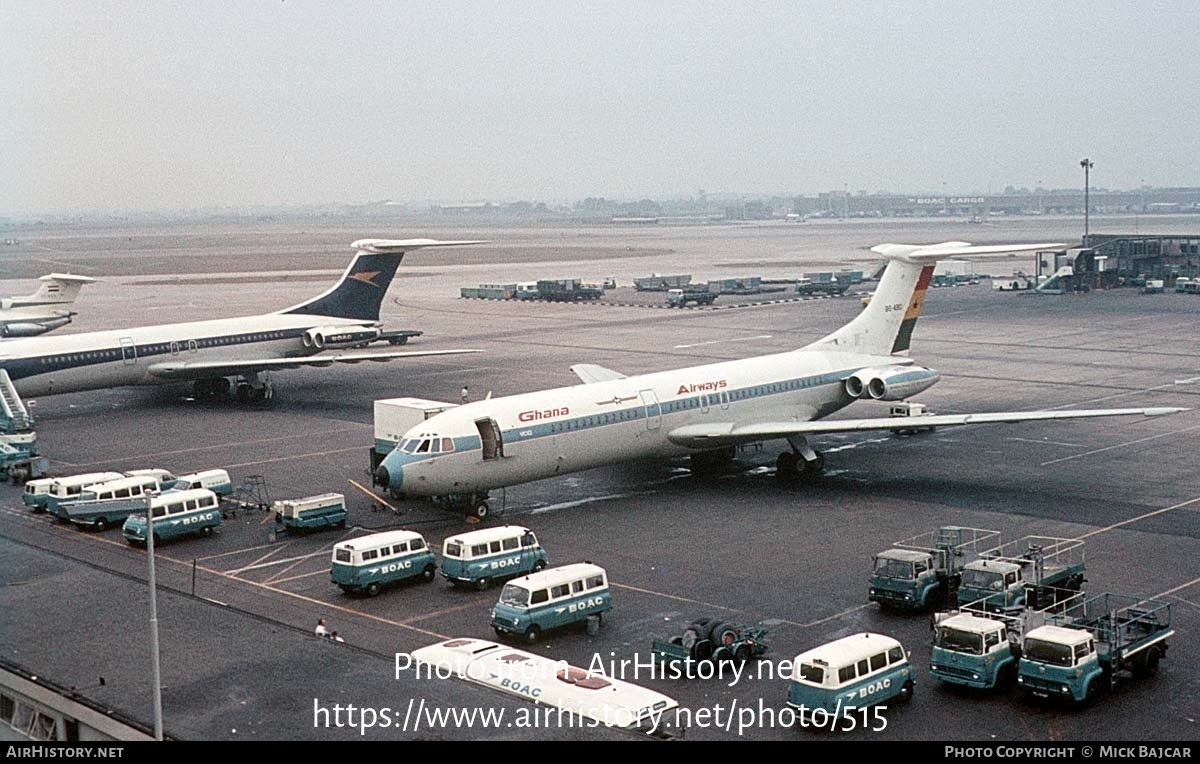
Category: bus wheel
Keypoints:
(427, 574)
(482, 584)
(906, 692)
(101, 524)
(1092, 692)
(372, 589)
(539, 565)
(206, 531)
(532, 634)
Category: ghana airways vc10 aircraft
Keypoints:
(210, 352)
(704, 411)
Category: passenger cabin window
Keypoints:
(121, 493)
(863, 668)
(191, 504)
(479, 550)
(175, 509)
(878, 661)
(539, 596)
(846, 674)
(510, 543)
(400, 549)
(595, 582)
(370, 554)
(494, 547)
(160, 511)
(562, 590)
(577, 586)
(416, 544)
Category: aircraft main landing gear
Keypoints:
(800, 465)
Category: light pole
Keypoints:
(1087, 165)
(156, 673)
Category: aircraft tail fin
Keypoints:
(886, 324)
(360, 291)
(56, 289)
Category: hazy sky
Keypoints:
(153, 105)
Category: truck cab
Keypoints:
(903, 579)
(998, 582)
(1060, 662)
(973, 652)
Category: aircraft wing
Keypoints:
(720, 434)
(201, 369)
(590, 372)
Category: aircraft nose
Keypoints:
(388, 477)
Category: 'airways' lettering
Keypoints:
(533, 416)
(703, 387)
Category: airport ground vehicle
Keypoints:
(711, 639)
(216, 481)
(103, 505)
(369, 563)
(847, 674)
(176, 513)
(1084, 649)
(603, 700)
(326, 510)
(911, 413)
(35, 493)
(807, 286)
(482, 557)
(567, 290)
(1001, 575)
(977, 647)
(70, 488)
(656, 283)
(924, 571)
(697, 293)
(551, 599)
(1153, 286)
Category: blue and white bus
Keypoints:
(195, 511)
(104, 505)
(36, 493)
(551, 599)
(847, 674)
(369, 563)
(491, 554)
(70, 487)
(216, 481)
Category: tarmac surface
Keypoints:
(238, 608)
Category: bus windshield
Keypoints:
(950, 638)
(811, 673)
(514, 595)
(1048, 652)
(886, 568)
(453, 549)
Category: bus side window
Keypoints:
(577, 586)
(495, 547)
(863, 668)
(416, 544)
(510, 543)
(595, 582)
(160, 511)
(562, 590)
(846, 674)
(400, 548)
(370, 554)
(878, 661)
(896, 655)
(540, 596)
(191, 504)
(479, 550)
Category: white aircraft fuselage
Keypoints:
(705, 411)
(210, 352)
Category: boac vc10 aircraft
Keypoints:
(705, 411)
(209, 353)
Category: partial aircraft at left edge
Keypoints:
(44, 310)
(209, 353)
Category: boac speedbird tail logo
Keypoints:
(367, 277)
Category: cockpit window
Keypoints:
(447, 444)
(424, 447)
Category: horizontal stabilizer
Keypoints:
(204, 369)
(388, 246)
(717, 434)
(931, 253)
(590, 372)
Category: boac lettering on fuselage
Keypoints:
(703, 387)
(533, 416)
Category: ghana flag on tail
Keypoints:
(904, 336)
